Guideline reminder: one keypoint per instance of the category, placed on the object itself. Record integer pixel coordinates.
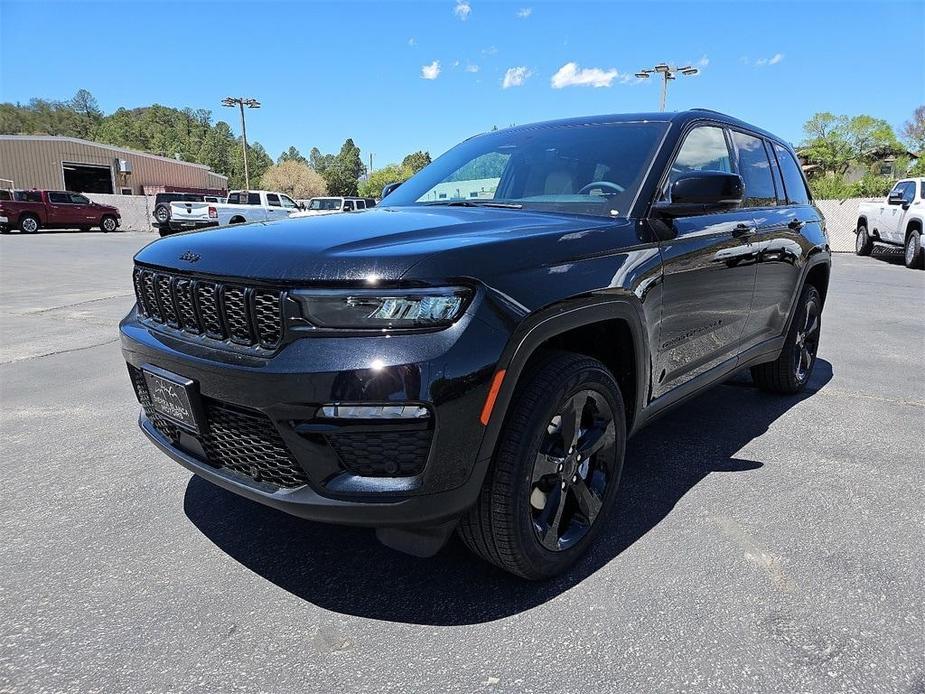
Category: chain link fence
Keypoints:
(841, 218)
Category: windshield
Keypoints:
(324, 204)
(585, 169)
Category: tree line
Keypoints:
(835, 144)
(191, 135)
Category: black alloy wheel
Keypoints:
(554, 474)
(791, 371)
(572, 470)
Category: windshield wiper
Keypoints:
(480, 203)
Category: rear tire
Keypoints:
(863, 245)
(791, 371)
(542, 506)
(29, 224)
(913, 251)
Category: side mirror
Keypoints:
(301, 206)
(702, 192)
(389, 187)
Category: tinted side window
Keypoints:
(79, 199)
(704, 149)
(253, 198)
(755, 169)
(793, 178)
(273, 200)
(234, 199)
(59, 198)
(909, 192)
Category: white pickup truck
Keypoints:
(896, 221)
(317, 207)
(242, 206)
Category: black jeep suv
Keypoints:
(473, 353)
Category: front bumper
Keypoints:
(448, 372)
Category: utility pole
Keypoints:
(241, 102)
(370, 172)
(668, 72)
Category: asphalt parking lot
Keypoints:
(762, 543)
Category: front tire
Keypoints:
(862, 244)
(790, 372)
(108, 224)
(553, 479)
(913, 256)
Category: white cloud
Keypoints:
(412, 42)
(524, 12)
(704, 61)
(430, 72)
(462, 9)
(471, 68)
(455, 63)
(773, 60)
(515, 77)
(570, 75)
(491, 50)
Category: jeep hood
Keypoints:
(383, 242)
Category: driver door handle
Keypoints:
(741, 229)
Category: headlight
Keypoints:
(383, 309)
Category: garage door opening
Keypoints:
(87, 178)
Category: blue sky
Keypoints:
(328, 71)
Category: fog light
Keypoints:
(373, 411)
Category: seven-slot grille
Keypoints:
(245, 315)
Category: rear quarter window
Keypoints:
(794, 184)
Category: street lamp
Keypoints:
(241, 102)
(668, 72)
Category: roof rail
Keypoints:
(708, 110)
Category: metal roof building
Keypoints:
(49, 162)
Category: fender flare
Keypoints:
(555, 320)
(820, 257)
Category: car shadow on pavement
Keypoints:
(346, 570)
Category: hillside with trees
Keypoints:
(187, 134)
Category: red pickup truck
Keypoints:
(31, 210)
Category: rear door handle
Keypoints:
(796, 224)
(741, 230)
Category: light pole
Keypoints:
(241, 102)
(668, 72)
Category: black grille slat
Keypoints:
(150, 296)
(186, 308)
(234, 301)
(268, 317)
(207, 298)
(247, 316)
(165, 298)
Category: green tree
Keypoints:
(416, 161)
(372, 186)
(343, 171)
(88, 113)
(292, 154)
(834, 142)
